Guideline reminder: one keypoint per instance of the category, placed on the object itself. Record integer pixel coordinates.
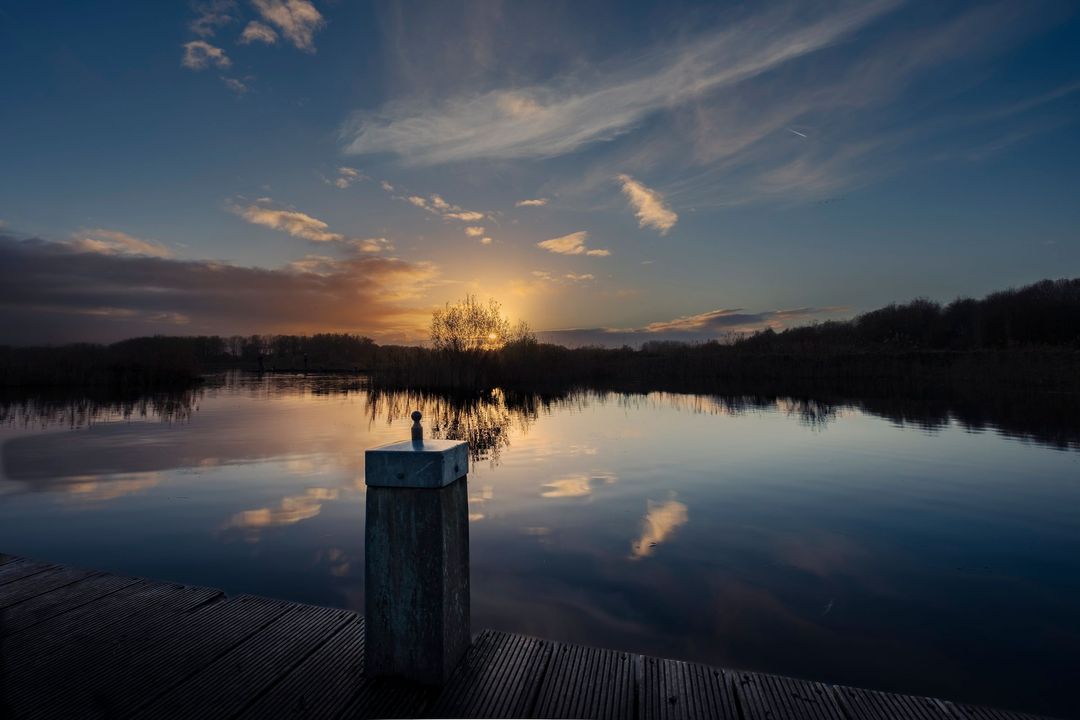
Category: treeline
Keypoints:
(1045, 314)
(136, 365)
(159, 362)
(1027, 337)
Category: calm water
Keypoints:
(887, 546)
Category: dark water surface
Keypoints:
(903, 546)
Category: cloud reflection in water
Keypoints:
(660, 522)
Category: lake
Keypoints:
(910, 545)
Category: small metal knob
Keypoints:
(417, 431)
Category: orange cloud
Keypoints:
(52, 291)
(572, 244)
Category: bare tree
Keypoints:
(470, 326)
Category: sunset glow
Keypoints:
(698, 170)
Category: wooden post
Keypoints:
(416, 569)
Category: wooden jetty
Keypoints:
(79, 643)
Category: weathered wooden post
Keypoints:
(416, 569)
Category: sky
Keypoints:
(609, 171)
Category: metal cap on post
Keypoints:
(417, 558)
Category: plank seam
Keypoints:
(210, 661)
(547, 654)
(285, 674)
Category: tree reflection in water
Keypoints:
(488, 420)
(484, 420)
(75, 411)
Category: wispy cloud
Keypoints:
(114, 242)
(199, 55)
(701, 327)
(236, 85)
(648, 205)
(256, 31)
(297, 20)
(301, 225)
(554, 278)
(572, 244)
(371, 245)
(535, 202)
(464, 215)
(212, 15)
(572, 112)
(437, 205)
(474, 231)
(346, 176)
(715, 321)
(293, 222)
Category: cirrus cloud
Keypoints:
(574, 111)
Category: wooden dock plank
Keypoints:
(113, 680)
(676, 690)
(193, 641)
(322, 685)
(83, 644)
(499, 680)
(963, 711)
(586, 682)
(222, 688)
(61, 600)
(94, 622)
(33, 585)
(389, 698)
(861, 704)
(767, 697)
(77, 651)
(19, 569)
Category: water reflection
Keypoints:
(291, 509)
(818, 537)
(485, 420)
(72, 411)
(660, 521)
(577, 485)
(488, 421)
(97, 488)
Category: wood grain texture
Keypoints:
(83, 644)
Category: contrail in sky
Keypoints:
(802, 135)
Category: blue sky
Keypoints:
(293, 166)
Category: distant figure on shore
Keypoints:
(261, 367)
